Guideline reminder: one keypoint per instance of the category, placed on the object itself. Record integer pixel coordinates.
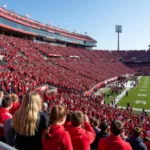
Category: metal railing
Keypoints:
(4, 146)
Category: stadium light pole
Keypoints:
(118, 42)
(118, 30)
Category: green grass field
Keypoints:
(110, 98)
(138, 97)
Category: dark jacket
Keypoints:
(9, 132)
(96, 129)
(32, 142)
(99, 135)
(136, 143)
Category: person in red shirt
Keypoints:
(114, 141)
(147, 142)
(16, 103)
(4, 115)
(55, 137)
(81, 137)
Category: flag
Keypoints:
(49, 23)
(28, 15)
(5, 6)
(75, 30)
(85, 33)
(42, 88)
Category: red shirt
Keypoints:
(58, 139)
(4, 115)
(82, 138)
(114, 143)
(15, 107)
(147, 145)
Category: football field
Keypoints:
(138, 97)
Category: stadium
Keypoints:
(64, 69)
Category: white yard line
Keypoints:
(128, 87)
(119, 97)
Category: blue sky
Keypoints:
(96, 17)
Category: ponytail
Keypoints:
(56, 114)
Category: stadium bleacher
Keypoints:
(22, 58)
(137, 60)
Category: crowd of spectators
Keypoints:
(63, 120)
(78, 123)
(133, 55)
(143, 68)
(136, 60)
(24, 63)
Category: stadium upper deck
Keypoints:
(138, 60)
(12, 22)
(133, 56)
